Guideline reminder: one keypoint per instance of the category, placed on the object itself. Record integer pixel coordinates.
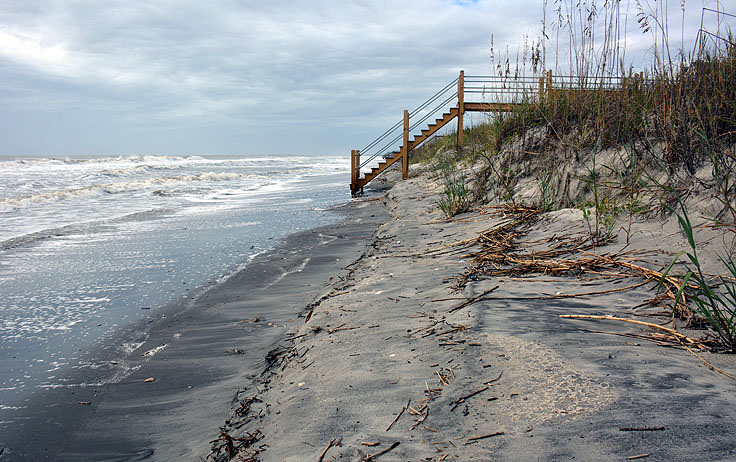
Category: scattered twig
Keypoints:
(641, 429)
(476, 438)
(371, 457)
(470, 301)
(442, 379)
(322, 456)
(295, 337)
(633, 321)
(332, 331)
(706, 362)
(496, 379)
(406, 406)
(462, 399)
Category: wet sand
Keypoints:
(200, 354)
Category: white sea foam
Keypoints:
(3, 407)
(37, 236)
(85, 243)
(129, 347)
(227, 276)
(153, 351)
(56, 161)
(12, 203)
(297, 269)
(242, 224)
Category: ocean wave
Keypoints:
(114, 163)
(78, 228)
(50, 161)
(17, 202)
(143, 168)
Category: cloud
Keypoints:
(234, 76)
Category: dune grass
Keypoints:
(675, 117)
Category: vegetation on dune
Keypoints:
(617, 152)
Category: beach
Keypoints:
(354, 341)
(395, 364)
(91, 246)
(201, 356)
(238, 232)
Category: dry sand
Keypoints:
(385, 342)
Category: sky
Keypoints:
(242, 77)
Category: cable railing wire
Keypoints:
(399, 124)
(434, 97)
(384, 149)
(432, 112)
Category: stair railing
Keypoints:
(497, 89)
(395, 132)
(486, 93)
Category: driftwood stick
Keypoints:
(476, 438)
(641, 429)
(332, 331)
(463, 398)
(322, 456)
(470, 301)
(496, 379)
(371, 457)
(633, 321)
(397, 417)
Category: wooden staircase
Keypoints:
(505, 95)
(395, 156)
(433, 128)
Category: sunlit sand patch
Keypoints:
(545, 385)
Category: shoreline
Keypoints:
(378, 354)
(199, 353)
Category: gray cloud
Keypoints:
(228, 76)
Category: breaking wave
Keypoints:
(13, 203)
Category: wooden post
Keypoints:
(357, 167)
(352, 173)
(541, 89)
(460, 107)
(405, 147)
(548, 85)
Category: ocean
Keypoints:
(90, 245)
